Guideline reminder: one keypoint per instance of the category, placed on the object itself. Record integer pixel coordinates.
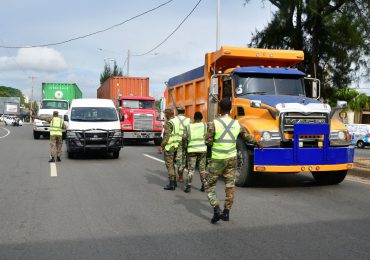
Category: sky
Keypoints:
(39, 22)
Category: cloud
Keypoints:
(41, 59)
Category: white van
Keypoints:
(360, 134)
(93, 125)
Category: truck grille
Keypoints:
(143, 122)
(288, 120)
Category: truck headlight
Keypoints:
(266, 136)
(341, 135)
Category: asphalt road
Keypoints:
(102, 208)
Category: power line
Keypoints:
(178, 27)
(90, 34)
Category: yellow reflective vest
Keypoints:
(184, 122)
(56, 126)
(226, 133)
(175, 137)
(196, 137)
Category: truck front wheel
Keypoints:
(157, 141)
(245, 176)
(115, 154)
(329, 178)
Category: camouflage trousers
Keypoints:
(226, 168)
(169, 160)
(181, 158)
(195, 159)
(56, 142)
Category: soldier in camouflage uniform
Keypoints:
(169, 145)
(222, 134)
(56, 133)
(181, 151)
(194, 137)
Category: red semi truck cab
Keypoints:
(140, 121)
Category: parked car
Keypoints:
(13, 121)
(360, 134)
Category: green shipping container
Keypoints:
(63, 91)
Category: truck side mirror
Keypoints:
(341, 104)
(314, 89)
(65, 118)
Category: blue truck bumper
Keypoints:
(299, 159)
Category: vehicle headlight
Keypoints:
(117, 134)
(71, 134)
(341, 135)
(266, 136)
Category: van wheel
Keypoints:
(360, 144)
(329, 178)
(115, 155)
(158, 141)
(245, 176)
(36, 135)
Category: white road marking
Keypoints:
(8, 132)
(53, 170)
(358, 179)
(154, 158)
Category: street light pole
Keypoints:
(218, 25)
(128, 62)
(31, 104)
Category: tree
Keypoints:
(334, 35)
(356, 101)
(108, 72)
(11, 92)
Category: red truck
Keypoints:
(140, 120)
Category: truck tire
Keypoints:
(245, 176)
(115, 154)
(158, 141)
(360, 144)
(36, 135)
(329, 178)
(70, 155)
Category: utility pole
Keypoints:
(218, 25)
(128, 63)
(31, 104)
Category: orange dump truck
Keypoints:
(269, 99)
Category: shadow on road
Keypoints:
(285, 180)
(195, 206)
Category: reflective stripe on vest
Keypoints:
(175, 137)
(226, 132)
(56, 126)
(184, 122)
(197, 133)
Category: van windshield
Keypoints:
(93, 114)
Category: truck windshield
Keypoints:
(246, 84)
(53, 104)
(93, 114)
(148, 104)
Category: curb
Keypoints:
(360, 172)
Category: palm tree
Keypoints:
(356, 101)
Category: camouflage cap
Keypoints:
(168, 111)
(180, 109)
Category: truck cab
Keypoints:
(47, 107)
(140, 120)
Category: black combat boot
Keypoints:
(216, 215)
(187, 189)
(170, 186)
(52, 159)
(58, 159)
(225, 215)
(202, 188)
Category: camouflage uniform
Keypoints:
(169, 156)
(224, 167)
(181, 153)
(56, 146)
(193, 160)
